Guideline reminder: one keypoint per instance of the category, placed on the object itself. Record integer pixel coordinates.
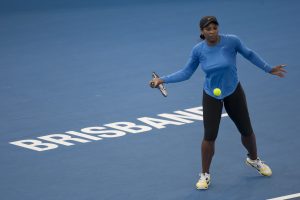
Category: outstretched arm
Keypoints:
(251, 55)
(181, 75)
(254, 58)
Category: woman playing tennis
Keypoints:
(217, 56)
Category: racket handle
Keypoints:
(161, 86)
(154, 75)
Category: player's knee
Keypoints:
(211, 137)
(247, 134)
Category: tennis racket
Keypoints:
(161, 87)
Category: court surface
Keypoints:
(72, 65)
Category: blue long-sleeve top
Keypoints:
(219, 65)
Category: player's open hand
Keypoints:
(155, 82)
(278, 71)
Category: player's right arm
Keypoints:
(185, 73)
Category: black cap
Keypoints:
(206, 20)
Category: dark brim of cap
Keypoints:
(210, 21)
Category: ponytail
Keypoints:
(202, 37)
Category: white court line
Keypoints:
(286, 197)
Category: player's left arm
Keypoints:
(254, 58)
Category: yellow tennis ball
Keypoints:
(217, 92)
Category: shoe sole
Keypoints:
(203, 188)
(255, 168)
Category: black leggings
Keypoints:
(235, 106)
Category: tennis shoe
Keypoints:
(260, 166)
(203, 181)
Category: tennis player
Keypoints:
(217, 56)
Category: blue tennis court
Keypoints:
(79, 120)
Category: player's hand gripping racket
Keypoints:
(161, 86)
